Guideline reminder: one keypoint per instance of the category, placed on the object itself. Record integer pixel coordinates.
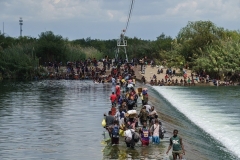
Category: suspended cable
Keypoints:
(129, 16)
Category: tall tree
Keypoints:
(51, 47)
(197, 35)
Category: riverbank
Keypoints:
(150, 71)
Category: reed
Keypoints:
(18, 61)
(74, 53)
(92, 53)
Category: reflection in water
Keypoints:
(52, 119)
(122, 152)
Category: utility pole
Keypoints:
(20, 23)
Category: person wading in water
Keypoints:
(109, 122)
(176, 143)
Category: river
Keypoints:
(61, 119)
(208, 119)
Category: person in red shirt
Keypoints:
(113, 98)
(118, 92)
(114, 110)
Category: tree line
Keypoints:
(200, 45)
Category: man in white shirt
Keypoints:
(120, 116)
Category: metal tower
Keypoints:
(20, 23)
(121, 45)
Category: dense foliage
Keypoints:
(201, 45)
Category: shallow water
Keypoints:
(52, 119)
(59, 120)
(62, 120)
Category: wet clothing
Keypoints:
(145, 143)
(115, 134)
(113, 98)
(175, 142)
(129, 138)
(118, 90)
(143, 116)
(109, 120)
(114, 110)
(155, 139)
(145, 98)
(145, 136)
(155, 129)
(115, 140)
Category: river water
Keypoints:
(208, 119)
(62, 120)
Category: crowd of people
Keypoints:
(123, 118)
(172, 78)
(135, 122)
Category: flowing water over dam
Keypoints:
(62, 120)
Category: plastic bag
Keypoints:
(121, 132)
(104, 122)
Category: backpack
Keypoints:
(161, 132)
(122, 115)
(135, 97)
(135, 137)
(144, 115)
(115, 131)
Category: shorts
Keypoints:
(115, 140)
(177, 153)
(145, 143)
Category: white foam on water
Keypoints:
(223, 127)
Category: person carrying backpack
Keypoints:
(115, 133)
(128, 134)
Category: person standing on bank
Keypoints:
(176, 143)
